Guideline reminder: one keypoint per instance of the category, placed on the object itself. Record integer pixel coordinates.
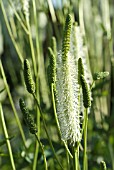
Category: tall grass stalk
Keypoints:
(111, 151)
(85, 161)
(32, 48)
(37, 80)
(7, 138)
(52, 11)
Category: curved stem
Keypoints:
(7, 138)
(56, 119)
(32, 48)
(12, 104)
(85, 164)
(51, 145)
(18, 17)
(45, 162)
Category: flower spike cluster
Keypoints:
(71, 74)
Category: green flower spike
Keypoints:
(86, 92)
(27, 117)
(52, 66)
(54, 45)
(28, 77)
(103, 165)
(66, 37)
(80, 69)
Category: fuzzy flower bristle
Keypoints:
(71, 66)
(67, 94)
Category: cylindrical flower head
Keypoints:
(52, 66)
(86, 92)
(28, 77)
(27, 117)
(103, 165)
(67, 89)
(67, 96)
(80, 69)
(66, 37)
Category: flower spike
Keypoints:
(86, 92)
(28, 77)
(27, 117)
(66, 37)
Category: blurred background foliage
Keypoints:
(96, 19)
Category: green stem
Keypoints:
(54, 108)
(18, 17)
(111, 154)
(45, 162)
(52, 11)
(38, 125)
(68, 160)
(92, 85)
(7, 138)
(32, 49)
(10, 32)
(51, 145)
(37, 80)
(85, 164)
(76, 157)
(81, 17)
(12, 104)
(36, 25)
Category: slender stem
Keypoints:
(12, 104)
(38, 125)
(92, 85)
(18, 17)
(76, 157)
(10, 32)
(54, 108)
(32, 48)
(85, 164)
(7, 138)
(111, 151)
(51, 145)
(68, 160)
(56, 119)
(36, 26)
(81, 17)
(37, 79)
(37, 144)
(45, 162)
(52, 11)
